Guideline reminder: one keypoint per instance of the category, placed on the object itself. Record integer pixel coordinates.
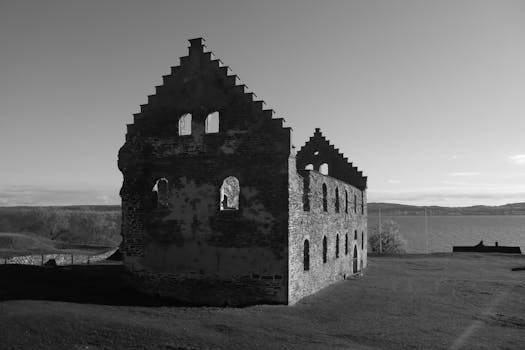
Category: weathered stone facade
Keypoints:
(337, 213)
(214, 210)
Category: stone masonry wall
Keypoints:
(188, 248)
(314, 224)
(60, 259)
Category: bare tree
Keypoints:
(387, 239)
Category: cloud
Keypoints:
(463, 173)
(104, 199)
(455, 183)
(454, 156)
(518, 159)
(390, 181)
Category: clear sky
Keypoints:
(427, 97)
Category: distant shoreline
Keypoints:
(387, 209)
(392, 209)
(383, 215)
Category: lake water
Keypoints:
(447, 231)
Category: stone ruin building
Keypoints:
(218, 209)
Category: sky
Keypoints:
(426, 97)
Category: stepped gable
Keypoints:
(200, 85)
(213, 209)
(338, 165)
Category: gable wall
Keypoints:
(190, 249)
(338, 165)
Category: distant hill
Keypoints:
(17, 244)
(24, 241)
(79, 224)
(62, 207)
(394, 209)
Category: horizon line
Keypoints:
(375, 203)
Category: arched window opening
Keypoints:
(325, 248)
(355, 235)
(325, 201)
(355, 203)
(336, 200)
(362, 240)
(185, 124)
(362, 202)
(161, 190)
(230, 191)
(306, 255)
(346, 243)
(346, 201)
(337, 246)
(323, 169)
(309, 167)
(211, 124)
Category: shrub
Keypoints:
(391, 240)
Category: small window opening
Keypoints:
(362, 202)
(325, 202)
(230, 194)
(346, 243)
(362, 240)
(336, 200)
(323, 169)
(355, 266)
(185, 124)
(355, 235)
(316, 153)
(309, 167)
(161, 190)
(355, 203)
(211, 124)
(346, 201)
(306, 255)
(306, 190)
(337, 246)
(325, 248)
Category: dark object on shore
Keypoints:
(116, 256)
(481, 248)
(51, 262)
(518, 269)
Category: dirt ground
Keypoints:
(439, 301)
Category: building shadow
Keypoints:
(104, 284)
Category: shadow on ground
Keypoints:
(104, 284)
(436, 301)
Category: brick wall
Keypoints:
(314, 224)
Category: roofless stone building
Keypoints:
(216, 206)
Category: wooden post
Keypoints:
(380, 239)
